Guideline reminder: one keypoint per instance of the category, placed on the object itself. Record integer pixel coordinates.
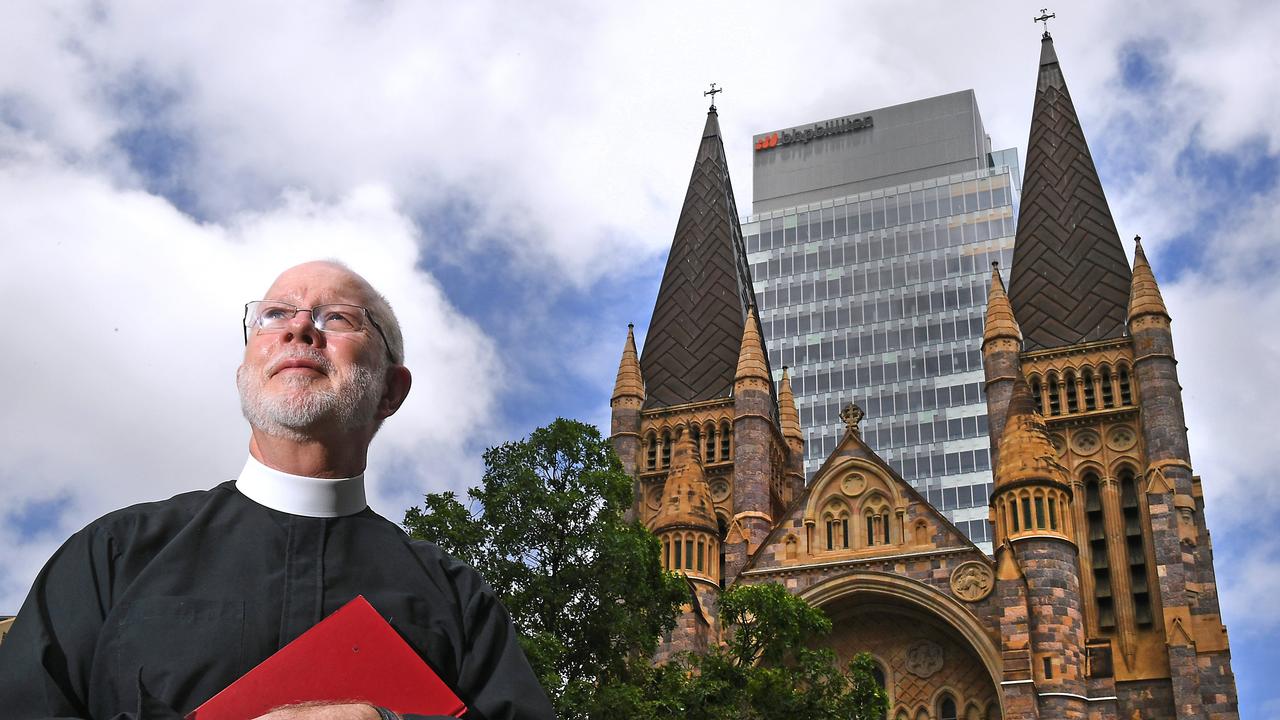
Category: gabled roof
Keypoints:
(692, 346)
(1070, 280)
(852, 445)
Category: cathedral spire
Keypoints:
(1026, 455)
(630, 382)
(1145, 298)
(1070, 280)
(751, 356)
(686, 498)
(691, 349)
(787, 412)
(1000, 321)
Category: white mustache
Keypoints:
(320, 361)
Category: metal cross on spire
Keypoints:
(1044, 18)
(712, 92)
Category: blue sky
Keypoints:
(511, 177)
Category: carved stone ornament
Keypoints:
(720, 490)
(924, 658)
(852, 416)
(972, 581)
(655, 498)
(1059, 444)
(1085, 442)
(1121, 438)
(853, 484)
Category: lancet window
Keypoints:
(1103, 600)
(1135, 544)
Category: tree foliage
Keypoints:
(585, 588)
(588, 594)
(765, 669)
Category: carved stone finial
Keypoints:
(852, 416)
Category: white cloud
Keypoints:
(565, 133)
(121, 365)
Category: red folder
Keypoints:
(353, 656)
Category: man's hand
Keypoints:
(313, 711)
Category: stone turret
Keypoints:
(789, 420)
(753, 437)
(1031, 509)
(1001, 345)
(1188, 590)
(624, 425)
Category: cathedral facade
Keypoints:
(1100, 600)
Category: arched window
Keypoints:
(1069, 380)
(947, 707)
(877, 674)
(1055, 406)
(837, 522)
(709, 454)
(1108, 389)
(1136, 545)
(666, 448)
(651, 451)
(1036, 394)
(725, 447)
(723, 532)
(1090, 392)
(1103, 600)
(1126, 395)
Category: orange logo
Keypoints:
(768, 141)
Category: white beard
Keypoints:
(299, 412)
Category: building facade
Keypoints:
(870, 248)
(1100, 599)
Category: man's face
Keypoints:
(301, 383)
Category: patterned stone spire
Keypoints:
(1070, 279)
(1145, 298)
(751, 356)
(686, 498)
(692, 344)
(787, 411)
(1025, 451)
(630, 382)
(1000, 321)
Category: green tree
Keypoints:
(766, 670)
(585, 588)
(588, 594)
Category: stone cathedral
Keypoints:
(1100, 600)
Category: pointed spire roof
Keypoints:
(692, 346)
(1145, 299)
(686, 497)
(1025, 450)
(752, 362)
(630, 382)
(787, 412)
(1070, 279)
(1000, 321)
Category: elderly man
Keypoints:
(151, 610)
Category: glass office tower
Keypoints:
(871, 252)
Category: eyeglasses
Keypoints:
(271, 316)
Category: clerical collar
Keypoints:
(299, 495)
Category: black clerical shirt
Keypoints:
(151, 610)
